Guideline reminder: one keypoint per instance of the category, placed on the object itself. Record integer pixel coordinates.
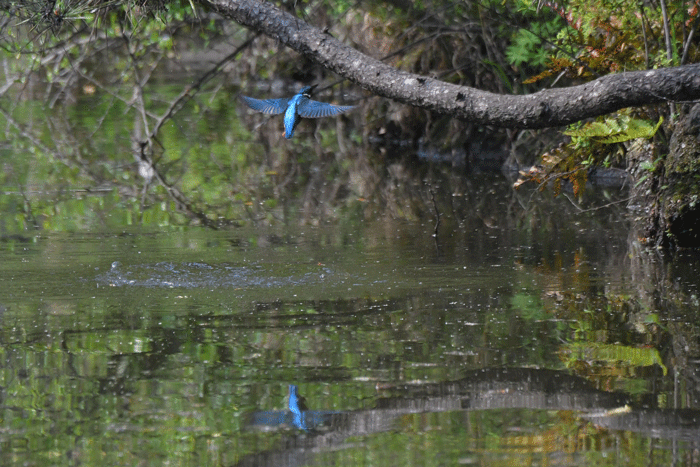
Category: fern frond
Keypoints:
(616, 130)
(636, 128)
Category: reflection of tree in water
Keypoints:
(110, 93)
(138, 111)
(479, 391)
(665, 286)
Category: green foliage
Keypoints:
(597, 143)
(612, 130)
(531, 45)
(37, 27)
(595, 38)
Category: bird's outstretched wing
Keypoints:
(268, 106)
(315, 109)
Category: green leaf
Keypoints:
(616, 130)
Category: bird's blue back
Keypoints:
(291, 116)
(294, 108)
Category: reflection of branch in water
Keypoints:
(139, 80)
(192, 90)
(494, 388)
(675, 424)
(437, 213)
(143, 149)
(54, 153)
(27, 204)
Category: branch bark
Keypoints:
(546, 108)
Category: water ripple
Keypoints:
(201, 275)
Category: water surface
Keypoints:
(490, 346)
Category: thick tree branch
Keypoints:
(546, 108)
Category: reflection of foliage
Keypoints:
(610, 355)
(609, 339)
(602, 345)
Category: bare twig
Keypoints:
(667, 31)
(684, 57)
(644, 36)
(669, 48)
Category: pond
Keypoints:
(529, 337)
(181, 285)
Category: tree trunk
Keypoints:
(546, 108)
(671, 191)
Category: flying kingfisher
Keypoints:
(296, 107)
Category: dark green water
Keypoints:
(490, 347)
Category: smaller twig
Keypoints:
(437, 212)
(644, 36)
(101, 120)
(139, 81)
(603, 206)
(684, 57)
(667, 31)
(669, 49)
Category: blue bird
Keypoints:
(296, 107)
(297, 403)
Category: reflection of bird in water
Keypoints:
(296, 107)
(297, 403)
